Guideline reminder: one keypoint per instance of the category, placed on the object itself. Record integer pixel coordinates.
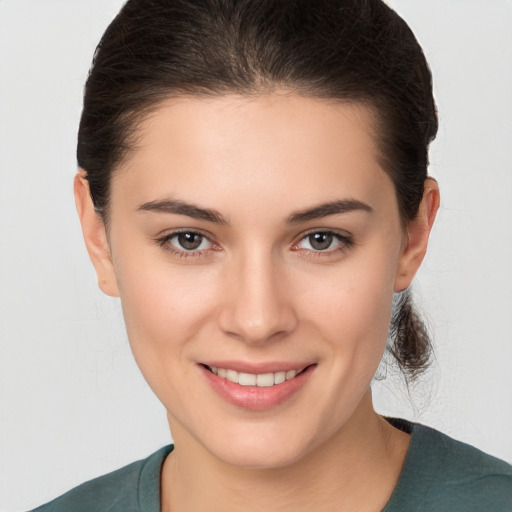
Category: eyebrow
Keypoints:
(182, 208)
(177, 207)
(331, 208)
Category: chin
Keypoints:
(261, 457)
(266, 449)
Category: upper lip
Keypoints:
(258, 368)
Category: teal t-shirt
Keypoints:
(439, 475)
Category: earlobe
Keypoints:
(418, 231)
(95, 236)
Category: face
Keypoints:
(255, 245)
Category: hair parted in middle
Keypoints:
(356, 51)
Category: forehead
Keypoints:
(254, 148)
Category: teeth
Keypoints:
(250, 379)
(290, 374)
(247, 379)
(279, 377)
(232, 376)
(265, 380)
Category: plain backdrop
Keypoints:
(72, 402)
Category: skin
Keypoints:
(257, 290)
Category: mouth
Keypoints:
(257, 389)
(261, 380)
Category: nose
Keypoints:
(257, 306)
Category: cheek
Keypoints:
(166, 310)
(164, 307)
(356, 320)
(352, 307)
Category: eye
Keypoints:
(320, 241)
(323, 241)
(187, 243)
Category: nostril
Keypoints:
(255, 308)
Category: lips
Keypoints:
(268, 379)
(256, 387)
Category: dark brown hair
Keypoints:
(346, 50)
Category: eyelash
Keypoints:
(345, 242)
(165, 243)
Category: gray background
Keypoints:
(73, 404)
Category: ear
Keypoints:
(416, 240)
(95, 236)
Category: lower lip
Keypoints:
(257, 398)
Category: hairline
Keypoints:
(135, 119)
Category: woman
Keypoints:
(253, 186)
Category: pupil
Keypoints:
(189, 241)
(320, 241)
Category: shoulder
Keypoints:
(459, 462)
(123, 490)
(447, 475)
(434, 436)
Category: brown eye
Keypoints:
(185, 244)
(324, 243)
(321, 241)
(189, 241)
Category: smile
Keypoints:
(257, 387)
(262, 380)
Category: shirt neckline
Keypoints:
(149, 481)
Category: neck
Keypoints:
(356, 469)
